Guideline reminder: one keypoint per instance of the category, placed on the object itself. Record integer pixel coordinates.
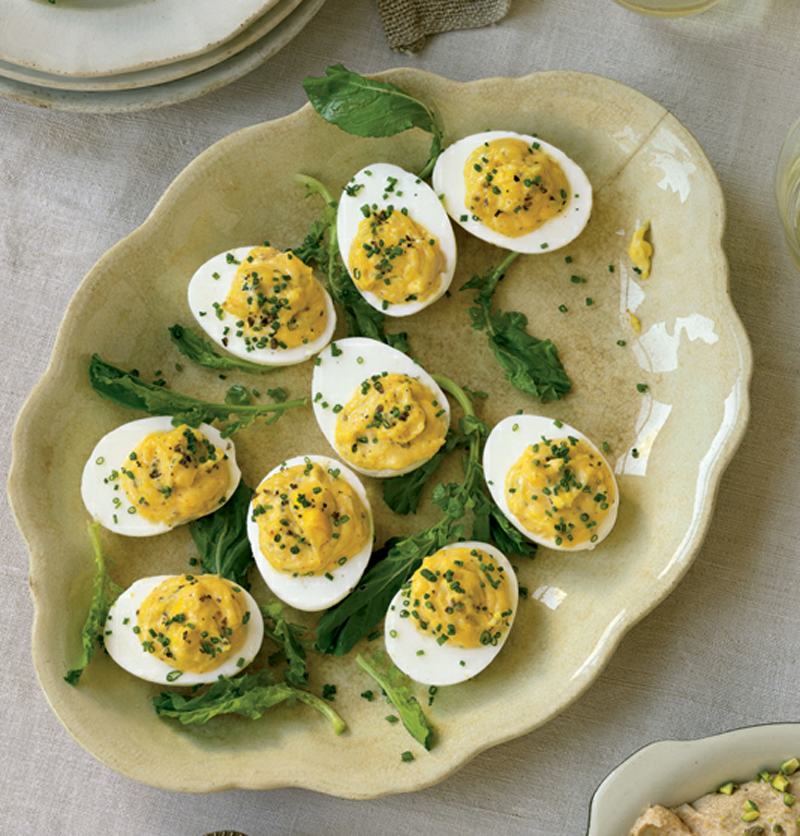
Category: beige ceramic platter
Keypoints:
(692, 353)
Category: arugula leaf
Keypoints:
(344, 625)
(362, 319)
(288, 638)
(294, 650)
(490, 525)
(532, 365)
(203, 353)
(104, 593)
(402, 493)
(370, 108)
(126, 389)
(250, 695)
(392, 681)
(221, 538)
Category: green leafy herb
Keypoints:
(320, 247)
(289, 639)
(104, 593)
(402, 493)
(393, 683)
(250, 695)
(490, 525)
(221, 538)
(128, 390)
(370, 108)
(532, 365)
(203, 352)
(344, 625)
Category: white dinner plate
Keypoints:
(169, 92)
(101, 37)
(158, 73)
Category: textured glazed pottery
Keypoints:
(669, 400)
(124, 35)
(673, 772)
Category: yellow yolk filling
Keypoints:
(640, 250)
(396, 258)
(276, 300)
(460, 596)
(174, 476)
(193, 622)
(391, 422)
(514, 187)
(310, 520)
(561, 490)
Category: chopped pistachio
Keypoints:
(790, 767)
(780, 782)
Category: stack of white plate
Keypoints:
(119, 55)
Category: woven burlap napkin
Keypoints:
(407, 23)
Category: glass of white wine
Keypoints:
(666, 8)
(787, 190)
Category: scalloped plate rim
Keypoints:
(619, 627)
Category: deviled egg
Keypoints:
(450, 620)
(395, 239)
(310, 529)
(148, 476)
(381, 412)
(184, 629)
(513, 190)
(551, 482)
(262, 305)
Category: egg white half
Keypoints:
(309, 592)
(420, 656)
(341, 369)
(125, 647)
(210, 284)
(104, 496)
(506, 443)
(382, 185)
(449, 184)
